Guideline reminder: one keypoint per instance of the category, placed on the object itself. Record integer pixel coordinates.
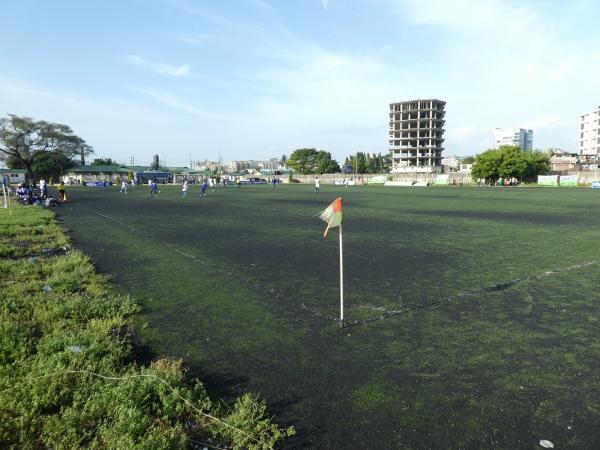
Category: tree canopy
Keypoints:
(25, 141)
(367, 163)
(104, 162)
(310, 161)
(510, 161)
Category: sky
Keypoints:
(253, 79)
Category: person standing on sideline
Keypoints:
(203, 191)
(43, 189)
(317, 184)
(184, 189)
(124, 185)
(61, 192)
(238, 182)
(274, 181)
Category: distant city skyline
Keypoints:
(253, 79)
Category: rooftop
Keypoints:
(100, 169)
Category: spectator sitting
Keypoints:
(51, 201)
(23, 194)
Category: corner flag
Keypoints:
(332, 215)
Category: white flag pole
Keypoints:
(341, 279)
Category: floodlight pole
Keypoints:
(341, 279)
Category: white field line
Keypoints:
(387, 313)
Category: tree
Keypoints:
(104, 162)
(510, 162)
(487, 165)
(155, 163)
(467, 160)
(51, 165)
(283, 160)
(24, 140)
(538, 163)
(324, 163)
(310, 161)
(358, 162)
(303, 160)
(513, 163)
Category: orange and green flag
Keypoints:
(332, 215)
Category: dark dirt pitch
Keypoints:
(242, 285)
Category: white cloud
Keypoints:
(160, 68)
(465, 132)
(196, 39)
(175, 102)
(264, 5)
(541, 123)
(119, 128)
(467, 13)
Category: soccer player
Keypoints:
(274, 182)
(203, 191)
(184, 189)
(153, 188)
(43, 189)
(124, 186)
(317, 184)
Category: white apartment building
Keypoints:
(451, 162)
(272, 164)
(514, 136)
(416, 135)
(589, 135)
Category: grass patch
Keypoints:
(68, 371)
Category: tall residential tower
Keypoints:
(589, 135)
(514, 136)
(416, 135)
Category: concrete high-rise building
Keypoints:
(589, 135)
(416, 135)
(514, 136)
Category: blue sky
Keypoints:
(259, 78)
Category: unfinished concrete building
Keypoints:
(416, 135)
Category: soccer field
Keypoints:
(472, 313)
